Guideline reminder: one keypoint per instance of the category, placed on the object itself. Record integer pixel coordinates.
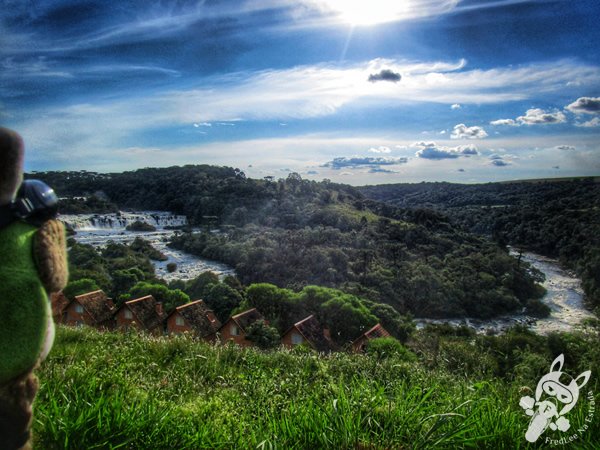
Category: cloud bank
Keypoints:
(361, 162)
(430, 150)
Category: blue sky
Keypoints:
(361, 92)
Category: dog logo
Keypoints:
(554, 398)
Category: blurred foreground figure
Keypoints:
(33, 264)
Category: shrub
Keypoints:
(263, 335)
(387, 347)
(138, 225)
(537, 308)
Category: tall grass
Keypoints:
(131, 391)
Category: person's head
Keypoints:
(11, 164)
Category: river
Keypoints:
(564, 293)
(564, 296)
(98, 229)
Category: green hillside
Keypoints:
(450, 390)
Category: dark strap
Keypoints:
(6, 215)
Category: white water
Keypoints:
(564, 296)
(98, 229)
(119, 221)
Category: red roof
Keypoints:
(247, 318)
(97, 304)
(376, 332)
(198, 316)
(312, 331)
(144, 309)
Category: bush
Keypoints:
(263, 335)
(537, 308)
(144, 247)
(138, 225)
(389, 347)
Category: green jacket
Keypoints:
(24, 306)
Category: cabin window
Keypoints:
(296, 338)
(78, 309)
(128, 314)
(179, 321)
(235, 331)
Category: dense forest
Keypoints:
(560, 219)
(294, 233)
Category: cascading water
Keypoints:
(98, 229)
(119, 221)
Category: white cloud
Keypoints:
(380, 149)
(366, 13)
(585, 105)
(321, 90)
(455, 106)
(461, 131)
(94, 129)
(203, 124)
(39, 67)
(533, 116)
(537, 116)
(592, 123)
(508, 122)
(302, 151)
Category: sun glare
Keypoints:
(369, 12)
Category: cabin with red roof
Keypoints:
(94, 309)
(143, 313)
(195, 318)
(360, 344)
(234, 330)
(309, 332)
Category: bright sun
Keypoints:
(369, 12)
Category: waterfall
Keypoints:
(118, 221)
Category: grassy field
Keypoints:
(130, 391)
